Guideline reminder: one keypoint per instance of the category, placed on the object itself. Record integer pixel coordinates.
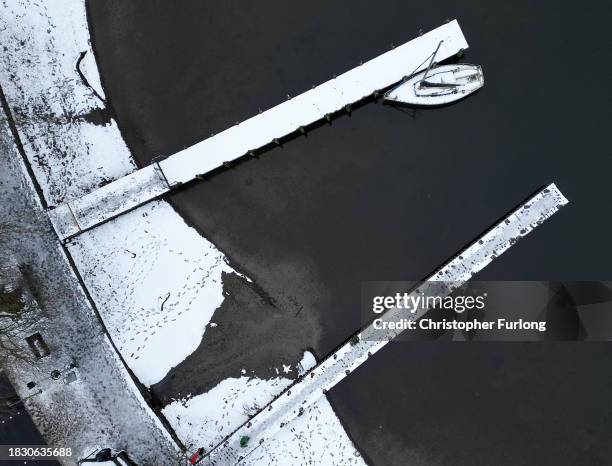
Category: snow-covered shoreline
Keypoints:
(70, 156)
(315, 438)
(72, 148)
(155, 281)
(68, 414)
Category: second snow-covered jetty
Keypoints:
(314, 384)
(145, 184)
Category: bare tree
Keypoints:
(18, 307)
(18, 311)
(17, 315)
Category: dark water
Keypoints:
(16, 426)
(387, 195)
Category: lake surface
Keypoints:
(385, 194)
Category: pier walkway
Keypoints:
(314, 384)
(268, 127)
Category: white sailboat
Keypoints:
(437, 85)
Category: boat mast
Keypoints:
(431, 62)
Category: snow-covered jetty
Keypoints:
(315, 383)
(291, 116)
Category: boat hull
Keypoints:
(444, 85)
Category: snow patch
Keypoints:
(314, 438)
(204, 420)
(308, 362)
(73, 146)
(156, 283)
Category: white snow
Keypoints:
(262, 129)
(156, 283)
(204, 420)
(308, 361)
(51, 105)
(315, 438)
(91, 209)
